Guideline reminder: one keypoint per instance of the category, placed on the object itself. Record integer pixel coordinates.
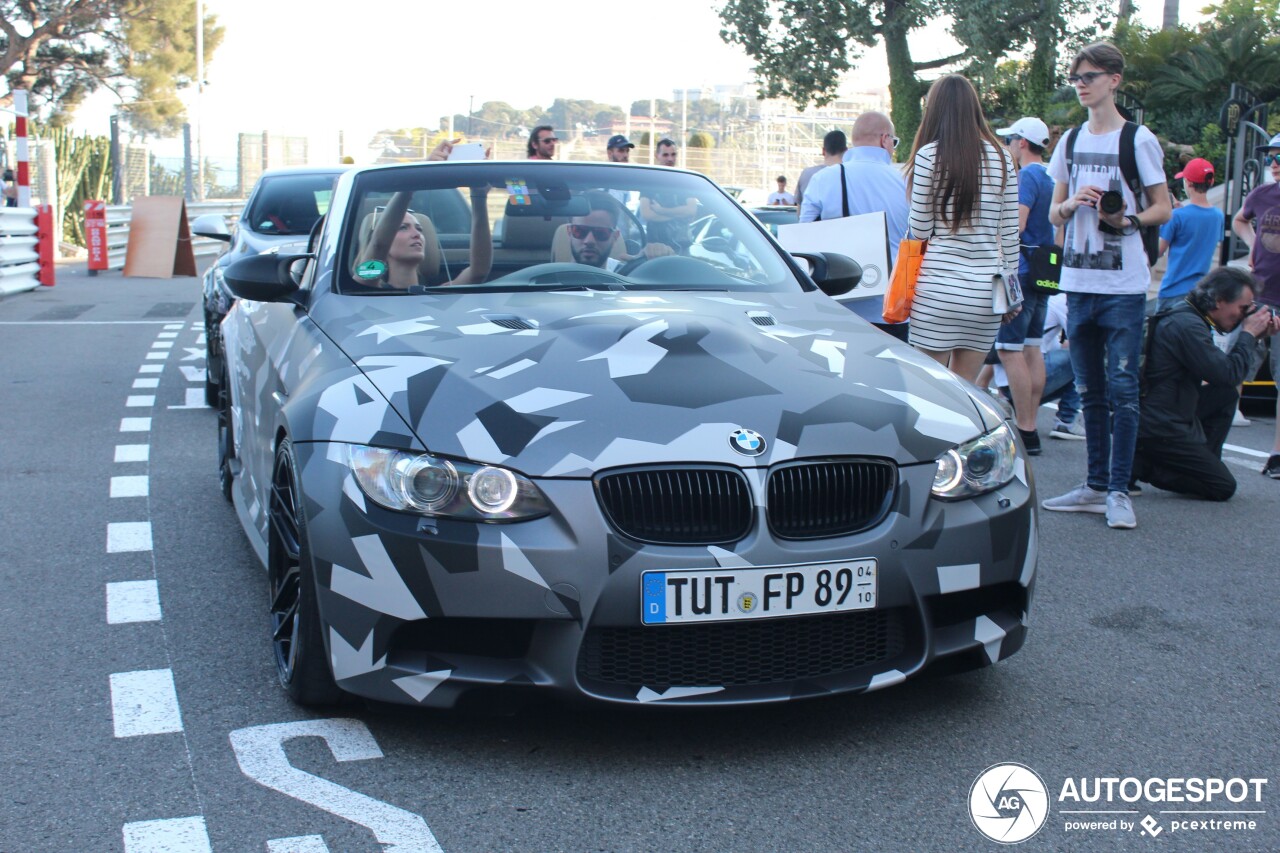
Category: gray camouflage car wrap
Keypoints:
(560, 386)
(596, 381)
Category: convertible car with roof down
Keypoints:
(508, 426)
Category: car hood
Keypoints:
(569, 383)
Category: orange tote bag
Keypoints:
(902, 284)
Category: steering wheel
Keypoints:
(628, 267)
(570, 274)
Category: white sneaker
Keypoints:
(1239, 420)
(1073, 431)
(1080, 499)
(1120, 511)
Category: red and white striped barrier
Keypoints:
(24, 155)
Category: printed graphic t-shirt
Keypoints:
(1093, 261)
(1193, 233)
(1263, 208)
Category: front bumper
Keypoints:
(424, 611)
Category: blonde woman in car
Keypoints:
(398, 236)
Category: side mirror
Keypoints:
(211, 225)
(834, 274)
(264, 278)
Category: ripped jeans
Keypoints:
(1106, 339)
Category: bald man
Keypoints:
(872, 183)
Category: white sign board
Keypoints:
(865, 238)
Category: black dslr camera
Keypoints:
(1111, 202)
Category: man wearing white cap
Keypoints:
(1258, 225)
(1018, 341)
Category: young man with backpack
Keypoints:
(1109, 187)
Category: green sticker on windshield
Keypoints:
(370, 270)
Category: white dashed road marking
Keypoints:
(133, 601)
(144, 703)
(175, 835)
(151, 382)
(151, 368)
(135, 424)
(124, 536)
(133, 452)
(140, 400)
(129, 487)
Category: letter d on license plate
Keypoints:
(725, 595)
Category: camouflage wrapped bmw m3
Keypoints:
(517, 426)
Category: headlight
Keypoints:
(430, 485)
(977, 466)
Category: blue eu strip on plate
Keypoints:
(655, 598)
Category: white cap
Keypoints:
(1031, 129)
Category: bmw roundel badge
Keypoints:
(748, 442)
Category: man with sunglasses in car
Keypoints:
(591, 237)
(1258, 225)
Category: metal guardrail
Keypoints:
(118, 217)
(19, 261)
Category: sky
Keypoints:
(312, 67)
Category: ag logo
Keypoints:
(748, 442)
(1008, 803)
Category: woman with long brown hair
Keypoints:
(964, 201)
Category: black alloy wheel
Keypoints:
(296, 638)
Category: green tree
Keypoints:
(1183, 75)
(803, 49)
(62, 50)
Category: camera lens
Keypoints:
(1111, 202)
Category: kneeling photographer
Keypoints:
(1189, 386)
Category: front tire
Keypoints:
(296, 638)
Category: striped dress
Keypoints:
(952, 307)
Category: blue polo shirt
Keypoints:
(1193, 233)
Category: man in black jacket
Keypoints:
(1189, 385)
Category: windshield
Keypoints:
(550, 226)
(289, 204)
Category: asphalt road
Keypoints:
(140, 710)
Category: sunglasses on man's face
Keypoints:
(1087, 77)
(1270, 158)
(580, 232)
(893, 140)
(547, 139)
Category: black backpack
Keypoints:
(1129, 171)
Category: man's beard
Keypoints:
(577, 256)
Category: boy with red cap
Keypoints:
(1191, 236)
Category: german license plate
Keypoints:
(724, 595)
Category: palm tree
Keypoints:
(1202, 74)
